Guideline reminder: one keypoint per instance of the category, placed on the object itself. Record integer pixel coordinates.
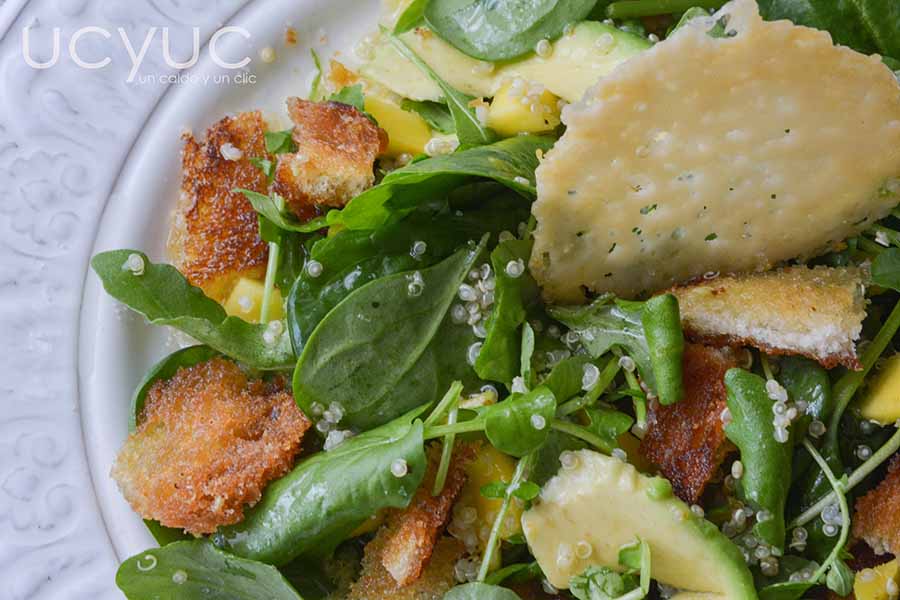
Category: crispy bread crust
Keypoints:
(207, 443)
(687, 440)
(877, 518)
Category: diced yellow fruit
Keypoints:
(511, 113)
(245, 301)
(879, 583)
(489, 466)
(631, 445)
(407, 132)
(881, 401)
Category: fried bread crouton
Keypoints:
(814, 312)
(336, 150)
(877, 518)
(207, 442)
(214, 238)
(375, 583)
(687, 440)
(415, 529)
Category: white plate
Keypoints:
(117, 347)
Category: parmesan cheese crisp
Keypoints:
(716, 154)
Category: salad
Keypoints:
(537, 299)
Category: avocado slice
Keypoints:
(578, 60)
(605, 502)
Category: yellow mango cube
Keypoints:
(520, 107)
(246, 298)
(879, 583)
(407, 132)
(489, 466)
(881, 400)
(631, 445)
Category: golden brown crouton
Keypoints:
(877, 518)
(336, 150)
(414, 530)
(207, 442)
(687, 440)
(215, 232)
(375, 583)
(816, 312)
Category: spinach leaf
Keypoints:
(469, 130)
(165, 535)
(269, 207)
(806, 380)
(326, 497)
(387, 348)
(165, 297)
(604, 324)
(511, 162)
(520, 424)
(499, 359)
(480, 591)
(437, 115)
(412, 17)
(293, 258)
(767, 463)
(195, 570)
(164, 370)
(495, 31)
(352, 258)
(869, 26)
(886, 269)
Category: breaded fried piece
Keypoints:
(687, 440)
(214, 238)
(814, 312)
(207, 442)
(336, 150)
(877, 518)
(375, 583)
(414, 531)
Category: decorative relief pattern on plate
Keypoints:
(64, 134)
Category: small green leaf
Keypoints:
(520, 424)
(495, 490)
(527, 491)
(280, 142)
(351, 95)
(886, 269)
(271, 208)
(412, 17)
(840, 578)
(436, 114)
(480, 591)
(265, 165)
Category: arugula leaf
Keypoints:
(266, 166)
(326, 497)
(280, 142)
(315, 91)
(197, 569)
(869, 26)
(270, 208)
(520, 424)
(470, 131)
(566, 378)
(383, 350)
(352, 258)
(165, 297)
(516, 573)
(351, 95)
(506, 30)
(480, 591)
(437, 115)
(500, 356)
(767, 463)
(604, 324)
(511, 162)
(412, 17)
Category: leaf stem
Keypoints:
(633, 9)
(518, 477)
(607, 375)
(840, 490)
(439, 431)
(862, 471)
(582, 434)
(446, 454)
(271, 273)
(446, 403)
